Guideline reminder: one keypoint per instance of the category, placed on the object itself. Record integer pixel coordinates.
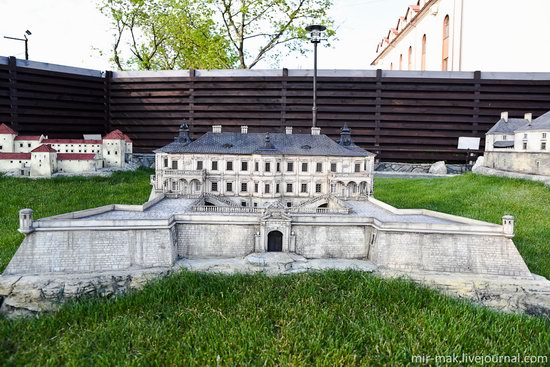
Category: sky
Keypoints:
(75, 33)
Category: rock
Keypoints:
(438, 168)
(480, 161)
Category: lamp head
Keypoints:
(28, 32)
(315, 31)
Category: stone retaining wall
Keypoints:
(419, 167)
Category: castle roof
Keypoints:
(259, 143)
(44, 148)
(75, 156)
(15, 155)
(117, 135)
(28, 137)
(540, 123)
(5, 129)
(71, 141)
(507, 127)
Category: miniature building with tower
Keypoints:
(40, 156)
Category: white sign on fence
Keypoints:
(468, 143)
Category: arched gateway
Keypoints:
(275, 241)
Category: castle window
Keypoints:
(445, 57)
(288, 204)
(199, 164)
(244, 186)
(256, 166)
(423, 60)
(304, 167)
(332, 167)
(244, 166)
(174, 164)
(267, 167)
(29, 145)
(401, 62)
(524, 145)
(243, 203)
(503, 137)
(255, 205)
(357, 167)
(318, 188)
(543, 136)
(409, 59)
(543, 145)
(319, 167)
(214, 165)
(290, 166)
(277, 188)
(267, 188)
(333, 188)
(229, 166)
(288, 187)
(525, 136)
(20, 145)
(278, 166)
(229, 186)
(214, 186)
(304, 187)
(256, 187)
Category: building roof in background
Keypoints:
(28, 137)
(5, 129)
(70, 141)
(117, 135)
(44, 148)
(540, 123)
(507, 127)
(260, 143)
(75, 156)
(15, 156)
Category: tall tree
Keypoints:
(256, 28)
(166, 34)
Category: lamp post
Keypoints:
(315, 32)
(24, 39)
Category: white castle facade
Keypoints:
(231, 195)
(519, 145)
(40, 156)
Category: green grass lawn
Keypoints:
(331, 318)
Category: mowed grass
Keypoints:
(326, 319)
(331, 318)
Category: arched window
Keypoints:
(409, 60)
(391, 66)
(423, 62)
(401, 62)
(445, 59)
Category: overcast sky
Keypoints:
(73, 32)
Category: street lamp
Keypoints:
(315, 32)
(25, 39)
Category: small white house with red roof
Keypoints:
(40, 156)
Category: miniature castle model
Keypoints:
(228, 195)
(39, 156)
(519, 145)
(254, 169)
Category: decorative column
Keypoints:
(25, 221)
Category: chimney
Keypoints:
(216, 129)
(504, 116)
(244, 129)
(289, 130)
(528, 117)
(315, 131)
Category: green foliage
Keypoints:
(166, 34)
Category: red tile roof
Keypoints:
(117, 135)
(15, 155)
(70, 141)
(27, 137)
(44, 148)
(75, 156)
(5, 129)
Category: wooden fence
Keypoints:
(401, 116)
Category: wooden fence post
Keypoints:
(378, 113)
(283, 99)
(12, 77)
